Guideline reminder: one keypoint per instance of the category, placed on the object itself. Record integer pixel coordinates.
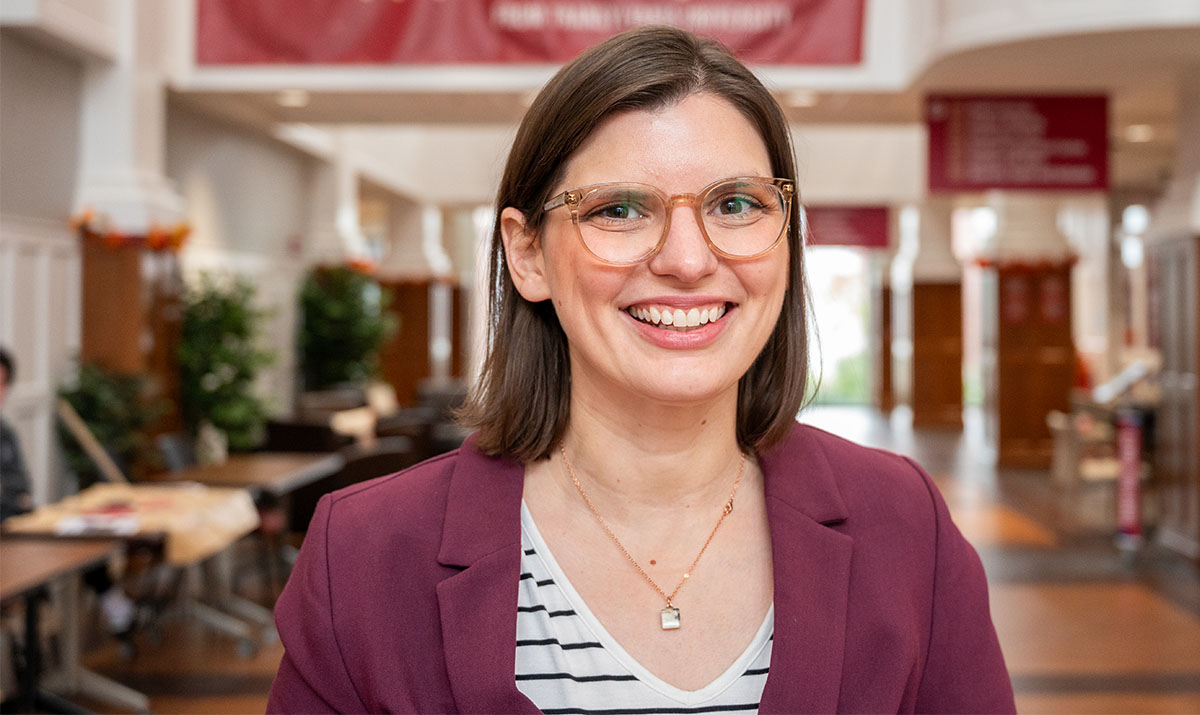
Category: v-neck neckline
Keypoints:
(685, 697)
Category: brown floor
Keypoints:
(1085, 628)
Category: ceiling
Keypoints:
(1137, 69)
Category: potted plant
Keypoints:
(344, 321)
(219, 360)
(116, 411)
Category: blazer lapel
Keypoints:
(478, 605)
(812, 578)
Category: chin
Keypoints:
(674, 390)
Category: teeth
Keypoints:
(678, 319)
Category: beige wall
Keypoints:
(247, 200)
(39, 257)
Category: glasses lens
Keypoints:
(621, 223)
(744, 218)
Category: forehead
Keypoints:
(680, 147)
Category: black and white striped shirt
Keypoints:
(568, 663)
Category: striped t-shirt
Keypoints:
(568, 663)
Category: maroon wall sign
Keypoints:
(1032, 142)
(863, 226)
(335, 32)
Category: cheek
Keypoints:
(767, 279)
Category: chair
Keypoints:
(177, 450)
(387, 456)
(415, 423)
(443, 394)
(317, 405)
(297, 435)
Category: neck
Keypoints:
(636, 455)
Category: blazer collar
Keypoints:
(478, 605)
(811, 564)
(798, 473)
(484, 492)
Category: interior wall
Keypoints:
(870, 164)
(247, 200)
(40, 95)
(433, 164)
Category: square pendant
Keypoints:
(670, 618)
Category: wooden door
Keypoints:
(1035, 359)
(404, 359)
(937, 340)
(1175, 330)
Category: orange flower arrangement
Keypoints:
(361, 265)
(157, 238)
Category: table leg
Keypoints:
(72, 678)
(219, 585)
(33, 654)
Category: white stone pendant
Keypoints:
(670, 618)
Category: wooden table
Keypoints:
(27, 565)
(276, 473)
(194, 521)
(196, 524)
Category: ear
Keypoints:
(524, 256)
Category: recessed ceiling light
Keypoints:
(1139, 133)
(294, 98)
(801, 98)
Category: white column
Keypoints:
(336, 231)
(1178, 213)
(404, 255)
(1026, 228)
(124, 126)
(441, 293)
(934, 261)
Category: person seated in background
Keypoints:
(16, 498)
(14, 480)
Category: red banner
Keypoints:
(862, 226)
(336, 32)
(978, 143)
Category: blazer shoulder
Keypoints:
(872, 479)
(405, 499)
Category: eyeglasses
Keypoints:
(626, 223)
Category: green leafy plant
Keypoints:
(116, 410)
(219, 360)
(344, 322)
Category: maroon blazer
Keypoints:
(404, 598)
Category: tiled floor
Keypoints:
(1085, 628)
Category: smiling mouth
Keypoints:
(667, 318)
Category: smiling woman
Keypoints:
(639, 524)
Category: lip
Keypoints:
(682, 301)
(698, 337)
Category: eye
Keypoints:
(618, 212)
(734, 205)
(617, 209)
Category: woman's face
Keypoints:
(613, 316)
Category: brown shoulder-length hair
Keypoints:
(521, 403)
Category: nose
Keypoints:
(685, 254)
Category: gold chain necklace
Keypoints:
(670, 614)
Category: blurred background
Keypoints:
(243, 247)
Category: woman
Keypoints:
(639, 525)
